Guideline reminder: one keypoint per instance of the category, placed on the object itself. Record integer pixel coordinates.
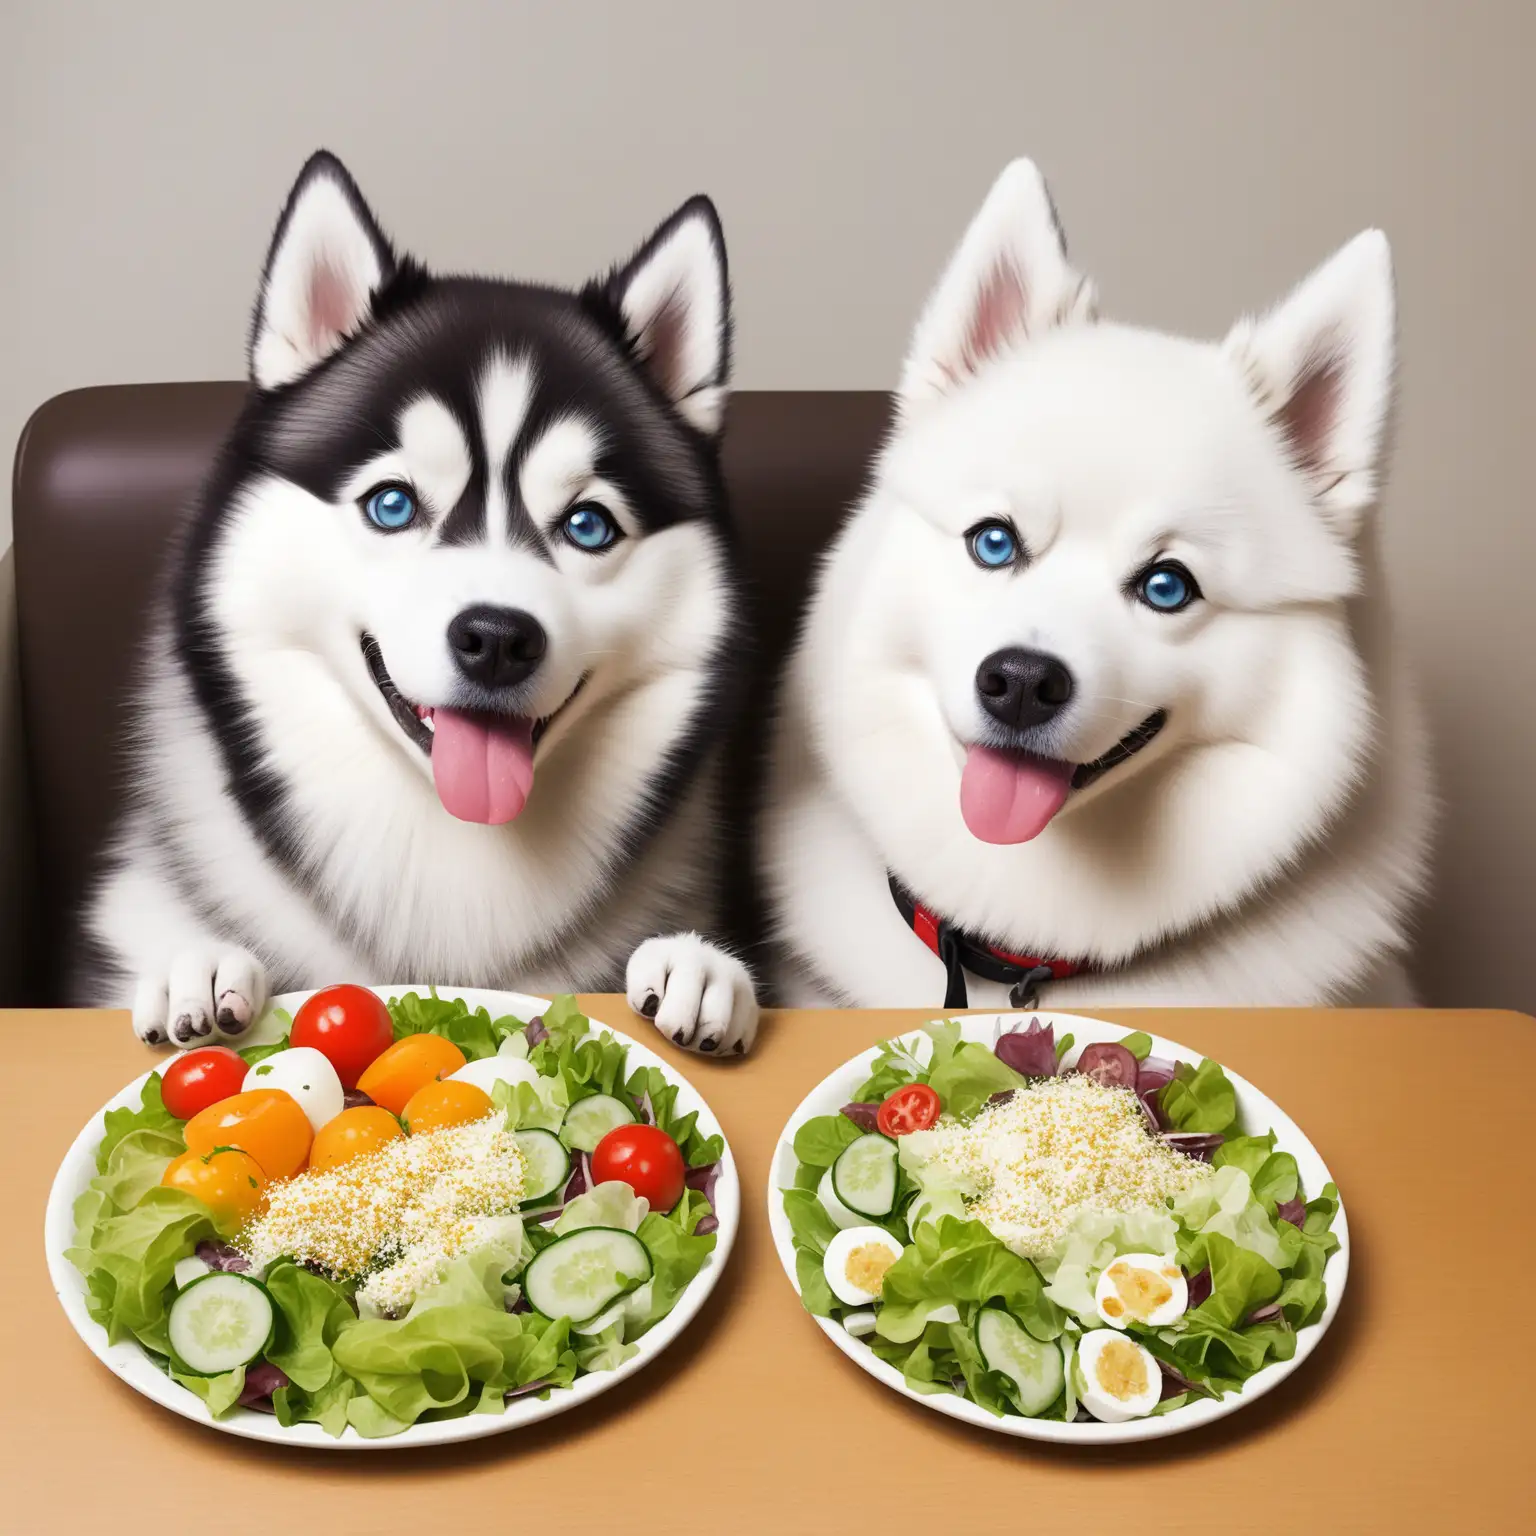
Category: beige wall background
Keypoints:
(1203, 156)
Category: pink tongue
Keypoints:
(482, 765)
(1008, 797)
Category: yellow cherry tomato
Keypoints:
(229, 1182)
(352, 1133)
(266, 1122)
(439, 1105)
(409, 1064)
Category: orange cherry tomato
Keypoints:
(351, 1134)
(407, 1065)
(439, 1105)
(266, 1122)
(230, 1183)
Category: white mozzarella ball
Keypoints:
(856, 1261)
(1145, 1288)
(490, 1070)
(1120, 1378)
(302, 1072)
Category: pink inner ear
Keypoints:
(333, 306)
(1309, 416)
(664, 340)
(999, 316)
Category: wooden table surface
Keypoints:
(1414, 1414)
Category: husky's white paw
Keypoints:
(208, 995)
(698, 995)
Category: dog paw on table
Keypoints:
(205, 996)
(697, 994)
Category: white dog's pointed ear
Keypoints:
(328, 259)
(672, 302)
(1321, 366)
(1008, 281)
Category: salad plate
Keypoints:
(983, 1212)
(617, 1354)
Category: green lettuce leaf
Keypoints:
(219, 1392)
(151, 1115)
(677, 1254)
(475, 1032)
(964, 1073)
(895, 1066)
(539, 1106)
(1225, 1205)
(1200, 1099)
(463, 1358)
(128, 1259)
(254, 1053)
(954, 1262)
(815, 1294)
(1138, 1044)
(809, 1223)
(698, 1150)
(819, 1142)
(613, 1204)
(605, 1351)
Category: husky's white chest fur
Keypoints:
(1098, 670)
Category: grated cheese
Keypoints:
(1061, 1146)
(395, 1216)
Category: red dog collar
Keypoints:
(962, 952)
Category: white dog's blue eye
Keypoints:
(588, 527)
(1167, 588)
(391, 508)
(994, 545)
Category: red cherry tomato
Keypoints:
(913, 1108)
(646, 1159)
(349, 1026)
(200, 1078)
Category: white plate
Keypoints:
(1258, 1114)
(130, 1362)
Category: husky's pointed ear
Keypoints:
(672, 303)
(1009, 280)
(1321, 366)
(328, 259)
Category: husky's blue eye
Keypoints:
(391, 508)
(1167, 587)
(588, 527)
(994, 545)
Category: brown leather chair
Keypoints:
(102, 477)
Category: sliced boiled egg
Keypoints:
(856, 1262)
(1145, 1288)
(1120, 1378)
(305, 1074)
(490, 1070)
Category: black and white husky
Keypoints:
(1097, 694)
(439, 690)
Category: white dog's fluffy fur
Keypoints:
(1267, 846)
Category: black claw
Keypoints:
(202, 1027)
(153, 1037)
(229, 1023)
(651, 1006)
(680, 1038)
(741, 1049)
(712, 1043)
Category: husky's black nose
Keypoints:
(1022, 688)
(496, 647)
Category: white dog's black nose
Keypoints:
(1022, 688)
(496, 647)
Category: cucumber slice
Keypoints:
(218, 1322)
(580, 1274)
(546, 1164)
(189, 1269)
(1034, 1369)
(864, 1175)
(587, 1121)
